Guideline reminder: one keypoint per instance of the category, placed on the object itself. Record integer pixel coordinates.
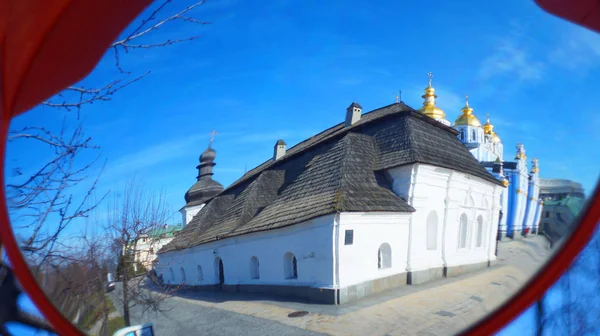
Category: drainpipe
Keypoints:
(445, 225)
(411, 197)
(336, 254)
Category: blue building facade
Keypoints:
(521, 202)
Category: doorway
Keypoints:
(219, 271)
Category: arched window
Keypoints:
(479, 231)
(474, 135)
(432, 230)
(384, 256)
(290, 266)
(462, 231)
(462, 135)
(183, 280)
(200, 273)
(254, 269)
(172, 274)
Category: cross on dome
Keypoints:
(212, 137)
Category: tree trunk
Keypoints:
(540, 316)
(125, 298)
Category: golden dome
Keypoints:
(505, 182)
(488, 128)
(467, 117)
(495, 138)
(429, 109)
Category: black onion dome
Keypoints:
(205, 188)
(202, 191)
(208, 155)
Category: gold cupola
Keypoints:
(495, 138)
(467, 117)
(488, 128)
(429, 109)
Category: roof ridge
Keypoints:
(269, 162)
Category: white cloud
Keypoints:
(511, 60)
(578, 49)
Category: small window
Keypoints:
(200, 273)
(349, 237)
(479, 231)
(290, 266)
(474, 135)
(254, 268)
(183, 279)
(462, 231)
(384, 256)
(432, 230)
(462, 135)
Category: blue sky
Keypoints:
(265, 70)
(268, 70)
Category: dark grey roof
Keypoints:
(354, 104)
(340, 169)
(280, 142)
(510, 165)
(202, 191)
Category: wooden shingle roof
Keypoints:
(338, 170)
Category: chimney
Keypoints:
(353, 113)
(279, 150)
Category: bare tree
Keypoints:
(135, 216)
(44, 200)
(575, 306)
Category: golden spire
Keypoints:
(520, 152)
(535, 167)
(429, 109)
(467, 117)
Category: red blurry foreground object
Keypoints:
(585, 13)
(48, 45)
(44, 47)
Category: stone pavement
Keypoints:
(441, 307)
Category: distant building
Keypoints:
(145, 248)
(563, 201)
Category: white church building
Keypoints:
(387, 198)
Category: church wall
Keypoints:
(537, 218)
(431, 189)
(358, 262)
(474, 198)
(310, 242)
(517, 200)
(533, 194)
(188, 213)
(504, 206)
